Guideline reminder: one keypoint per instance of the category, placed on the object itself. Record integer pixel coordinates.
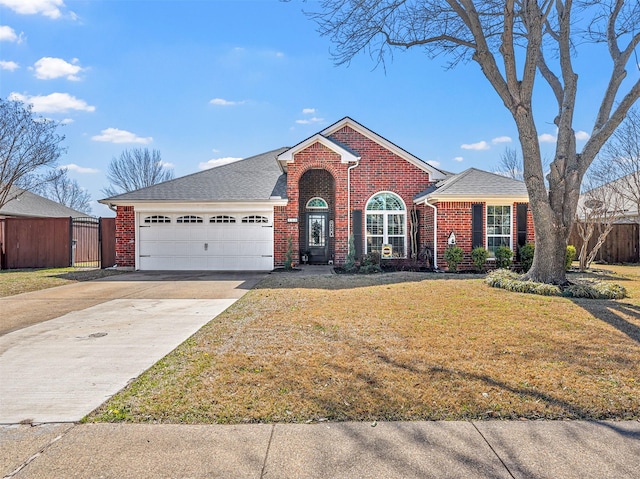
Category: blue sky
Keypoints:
(203, 81)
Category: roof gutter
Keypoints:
(435, 234)
(357, 163)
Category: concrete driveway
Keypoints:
(65, 350)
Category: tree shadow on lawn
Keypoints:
(614, 313)
(332, 282)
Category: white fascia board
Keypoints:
(434, 174)
(197, 207)
(493, 200)
(346, 156)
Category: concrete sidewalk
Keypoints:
(485, 449)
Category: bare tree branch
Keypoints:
(135, 169)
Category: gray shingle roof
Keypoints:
(25, 203)
(256, 178)
(477, 184)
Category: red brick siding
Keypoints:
(456, 217)
(316, 183)
(125, 237)
(379, 170)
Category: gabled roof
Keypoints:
(25, 203)
(474, 184)
(350, 155)
(258, 178)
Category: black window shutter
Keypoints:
(356, 229)
(521, 226)
(477, 223)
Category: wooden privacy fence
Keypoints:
(622, 245)
(57, 242)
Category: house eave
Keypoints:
(288, 156)
(494, 199)
(434, 173)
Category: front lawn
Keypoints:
(397, 346)
(16, 281)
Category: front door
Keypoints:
(318, 237)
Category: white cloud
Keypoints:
(434, 163)
(48, 68)
(501, 139)
(308, 111)
(481, 145)
(215, 162)
(6, 65)
(223, 102)
(79, 169)
(310, 121)
(53, 103)
(8, 34)
(166, 164)
(547, 138)
(48, 8)
(582, 135)
(115, 135)
(458, 159)
(66, 121)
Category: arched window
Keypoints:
(222, 219)
(255, 219)
(157, 219)
(189, 219)
(386, 217)
(317, 203)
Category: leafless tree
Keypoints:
(66, 191)
(510, 164)
(135, 169)
(29, 149)
(599, 208)
(518, 44)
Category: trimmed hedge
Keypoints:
(509, 280)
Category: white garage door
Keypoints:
(217, 242)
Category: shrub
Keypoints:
(504, 256)
(453, 256)
(526, 256)
(511, 281)
(370, 263)
(569, 256)
(350, 261)
(288, 261)
(479, 256)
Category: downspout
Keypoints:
(349, 201)
(435, 233)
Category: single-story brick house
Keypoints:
(345, 180)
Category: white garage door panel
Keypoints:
(212, 246)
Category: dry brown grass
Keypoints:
(401, 346)
(16, 281)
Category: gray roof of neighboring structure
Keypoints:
(256, 178)
(25, 203)
(474, 183)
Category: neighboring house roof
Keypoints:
(618, 196)
(258, 178)
(349, 155)
(474, 184)
(25, 203)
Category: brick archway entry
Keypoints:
(317, 222)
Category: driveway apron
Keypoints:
(65, 350)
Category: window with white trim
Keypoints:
(498, 227)
(189, 219)
(157, 219)
(317, 203)
(255, 219)
(222, 219)
(386, 220)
